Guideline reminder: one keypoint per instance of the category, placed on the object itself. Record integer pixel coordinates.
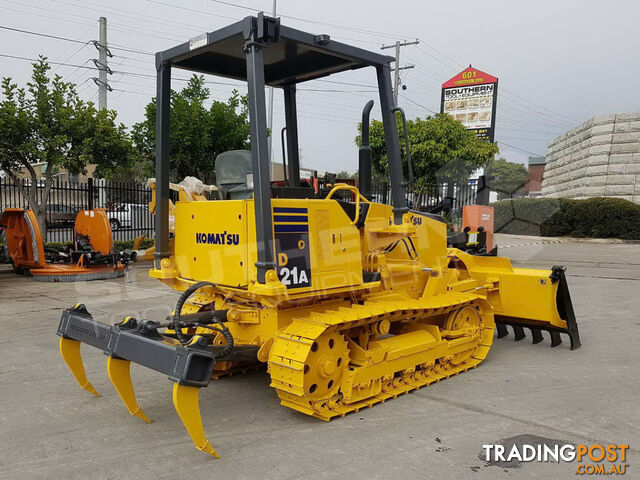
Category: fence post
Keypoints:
(90, 193)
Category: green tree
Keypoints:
(509, 178)
(343, 174)
(198, 133)
(47, 122)
(442, 150)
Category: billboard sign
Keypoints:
(470, 97)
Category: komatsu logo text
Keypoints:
(223, 238)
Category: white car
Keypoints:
(127, 215)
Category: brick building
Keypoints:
(533, 185)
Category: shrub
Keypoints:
(594, 217)
(523, 216)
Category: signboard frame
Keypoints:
(461, 80)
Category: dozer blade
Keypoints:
(556, 318)
(120, 376)
(185, 401)
(70, 351)
(524, 298)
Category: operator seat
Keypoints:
(234, 175)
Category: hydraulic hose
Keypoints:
(227, 335)
(175, 322)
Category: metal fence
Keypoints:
(440, 198)
(128, 212)
(126, 205)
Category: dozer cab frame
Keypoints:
(348, 301)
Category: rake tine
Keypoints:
(70, 352)
(555, 339)
(518, 332)
(120, 376)
(537, 335)
(185, 401)
(502, 330)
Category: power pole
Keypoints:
(102, 65)
(396, 79)
(270, 117)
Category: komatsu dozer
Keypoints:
(347, 301)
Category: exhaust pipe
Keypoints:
(365, 155)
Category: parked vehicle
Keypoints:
(57, 215)
(126, 215)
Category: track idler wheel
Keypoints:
(324, 366)
(467, 322)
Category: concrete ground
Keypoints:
(50, 428)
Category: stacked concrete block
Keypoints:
(599, 158)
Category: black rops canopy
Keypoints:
(262, 52)
(292, 55)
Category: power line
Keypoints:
(4, 27)
(315, 22)
(47, 16)
(66, 39)
(520, 149)
(180, 7)
(131, 14)
(539, 106)
(71, 46)
(354, 29)
(564, 123)
(16, 57)
(327, 90)
(418, 104)
(396, 71)
(157, 20)
(130, 50)
(437, 59)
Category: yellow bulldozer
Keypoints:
(347, 301)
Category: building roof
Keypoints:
(537, 160)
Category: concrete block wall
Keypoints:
(601, 157)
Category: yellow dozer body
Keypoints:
(348, 302)
(358, 311)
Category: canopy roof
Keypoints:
(292, 56)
